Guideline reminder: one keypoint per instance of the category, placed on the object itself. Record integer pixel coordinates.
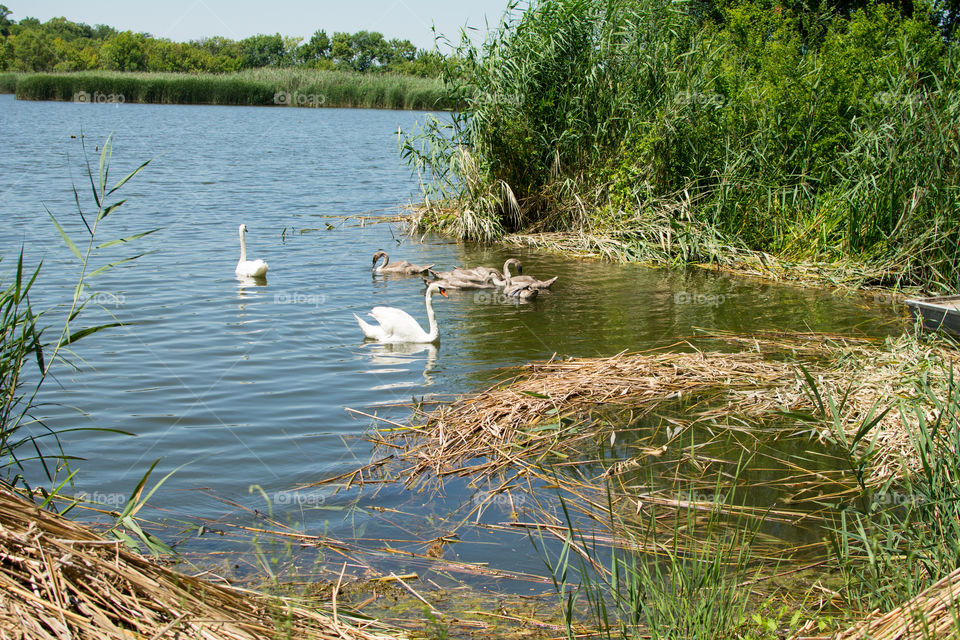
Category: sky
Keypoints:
(182, 20)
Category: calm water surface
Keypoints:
(249, 384)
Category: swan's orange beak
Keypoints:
(443, 292)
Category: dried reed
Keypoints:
(543, 410)
(932, 614)
(58, 579)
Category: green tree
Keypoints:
(263, 51)
(317, 49)
(67, 30)
(6, 55)
(33, 51)
(126, 51)
(4, 21)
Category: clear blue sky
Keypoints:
(182, 20)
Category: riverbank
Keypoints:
(258, 87)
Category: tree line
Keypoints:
(60, 44)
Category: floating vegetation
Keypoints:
(545, 409)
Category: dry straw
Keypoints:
(544, 409)
(60, 580)
(933, 613)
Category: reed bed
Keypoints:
(540, 412)
(8, 82)
(666, 246)
(813, 135)
(273, 87)
(59, 580)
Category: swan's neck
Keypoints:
(243, 248)
(386, 260)
(506, 271)
(431, 317)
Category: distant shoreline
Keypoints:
(259, 87)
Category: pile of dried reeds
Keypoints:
(544, 409)
(58, 579)
(934, 613)
(539, 411)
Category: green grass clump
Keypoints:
(259, 87)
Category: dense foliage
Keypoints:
(757, 124)
(62, 45)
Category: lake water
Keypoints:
(250, 384)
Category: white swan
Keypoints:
(249, 268)
(396, 325)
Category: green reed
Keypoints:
(905, 535)
(826, 142)
(8, 82)
(259, 87)
(685, 585)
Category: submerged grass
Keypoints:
(259, 87)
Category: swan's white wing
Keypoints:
(369, 331)
(397, 325)
(252, 268)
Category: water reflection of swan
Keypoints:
(396, 325)
(247, 281)
(249, 268)
(393, 358)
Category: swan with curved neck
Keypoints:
(396, 325)
(403, 266)
(525, 280)
(249, 268)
